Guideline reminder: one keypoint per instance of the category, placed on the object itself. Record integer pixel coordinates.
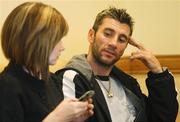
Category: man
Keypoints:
(118, 97)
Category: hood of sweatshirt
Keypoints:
(80, 63)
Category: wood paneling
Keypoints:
(137, 67)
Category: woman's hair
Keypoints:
(29, 35)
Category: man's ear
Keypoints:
(91, 35)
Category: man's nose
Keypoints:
(113, 41)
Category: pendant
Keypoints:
(110, 94)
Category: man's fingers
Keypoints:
(136, 55)
(136, 44)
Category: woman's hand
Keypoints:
(71, 110)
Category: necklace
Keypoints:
(108, 90)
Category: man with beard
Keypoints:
(118, 97)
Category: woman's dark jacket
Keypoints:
(26, 98)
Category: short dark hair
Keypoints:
(118, 14)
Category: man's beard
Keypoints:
(98, 58)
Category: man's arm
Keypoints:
(162, 104)
(68, 85)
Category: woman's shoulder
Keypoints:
(9, 81)
(55, 79)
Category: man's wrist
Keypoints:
(163, 73)
(157, 70)
(164, 69)
(160, 70)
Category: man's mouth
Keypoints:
(109, 52)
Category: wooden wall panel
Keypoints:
(137, 67)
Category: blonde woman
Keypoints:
(31, 40)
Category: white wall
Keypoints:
(157, 23)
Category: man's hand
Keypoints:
(146, 56)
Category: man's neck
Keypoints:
(97, 68)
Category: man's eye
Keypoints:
(107, 33)
(122, 39)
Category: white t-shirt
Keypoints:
(120, 108)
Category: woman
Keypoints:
(31, 40)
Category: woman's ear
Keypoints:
(91, 35)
